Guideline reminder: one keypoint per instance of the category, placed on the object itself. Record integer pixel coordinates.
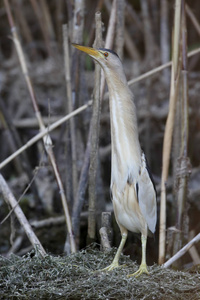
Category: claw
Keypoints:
(142, 269)
(111, 267)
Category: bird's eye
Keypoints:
(106, 54)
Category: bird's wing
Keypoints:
(147, 196)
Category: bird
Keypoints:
(132, 189)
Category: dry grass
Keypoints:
(73, 277)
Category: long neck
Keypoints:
(126, 152)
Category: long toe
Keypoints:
(111, 267)
(142, 269)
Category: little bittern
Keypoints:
(132, 189)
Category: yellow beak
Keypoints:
(91, 51)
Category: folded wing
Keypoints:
(147, 196)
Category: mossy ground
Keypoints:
(74, 277)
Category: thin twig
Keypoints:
(45, 132)
(193, 18)
(22, 195)
(33, 123)
(160, 68)
(10, 199)
(193, 250)
(181, 252)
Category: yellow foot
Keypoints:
(108, 268)
(142, 269)
(111, 267)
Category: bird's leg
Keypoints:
(115, 262)
(143, 266)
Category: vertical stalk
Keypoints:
(150, 51)
(149, 41)
(47, 20)
(183, 165)
(59, 19)
(193, 19)
(120, 28)
(37, 11)
(77, 37)
(80, 195)
(94, 139)
(70, 107)
(169, 129)
(184, 78)
(20, 15)
(164, 39)
(109, 39)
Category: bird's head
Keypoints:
(107, 58)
